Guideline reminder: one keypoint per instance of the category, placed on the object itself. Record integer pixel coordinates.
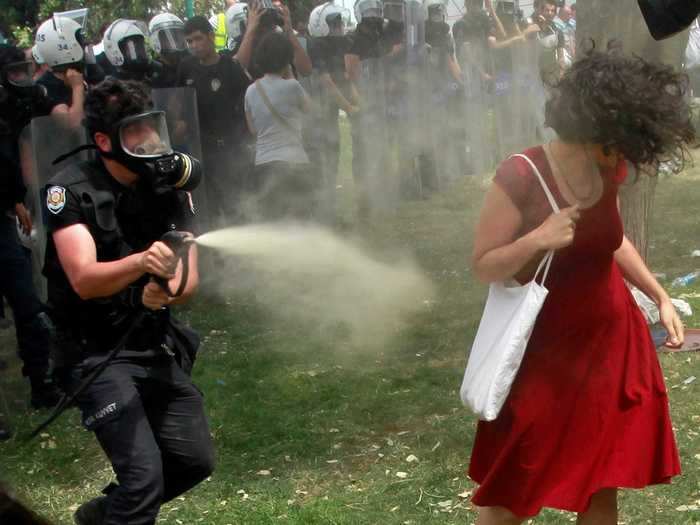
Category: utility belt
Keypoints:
(98, 325)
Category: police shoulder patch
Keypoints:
(56, 199)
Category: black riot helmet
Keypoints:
(17, 75)
(668, 17)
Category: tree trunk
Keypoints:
(620, 21)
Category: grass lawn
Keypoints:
(309, 430)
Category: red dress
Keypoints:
(588, 408)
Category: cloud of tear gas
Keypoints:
(305, 272)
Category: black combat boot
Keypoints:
(45, 394)
(91, 512)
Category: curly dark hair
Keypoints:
(112, 100)
(638, 108)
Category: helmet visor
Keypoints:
(145, 135)
(172, 40)
(19, 74)
(134, 49)
(369, 9)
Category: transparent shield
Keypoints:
(474, 111)
(42, 141)
(134, 49)
(79, 15)
(172, 40)
(180, 108)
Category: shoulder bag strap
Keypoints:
(547, 261)
(279, 118)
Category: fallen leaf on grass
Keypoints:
(402, 475)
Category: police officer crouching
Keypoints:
(105, 219)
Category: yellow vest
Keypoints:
(221, 35)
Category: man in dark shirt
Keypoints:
(220, 82)
(19, 101)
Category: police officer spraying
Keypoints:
(103, 252)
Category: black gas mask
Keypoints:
(141, 144)
(19, 95)
(668, 17)
(17, 80)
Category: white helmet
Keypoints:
(435, 10)
(326, 15)
(125, 42)
(36, 55)
(368, 9)
(167, 33)
(236, 20)
(59, 41)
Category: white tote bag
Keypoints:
(506, 325)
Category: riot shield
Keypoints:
(43, 141)
(370, 138)
(180, 106)
(478, 156)
(515, 75)
(312, 131)
(409, 92)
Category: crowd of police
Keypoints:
(109, 149)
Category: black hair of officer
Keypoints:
(113, 100)
(198, 23)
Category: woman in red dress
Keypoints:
(588, 411)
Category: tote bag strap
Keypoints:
(547, 192)
(285, 123)
(546, 263)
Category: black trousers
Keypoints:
(17, 286)
(227, 166)
(284, 190)
(149, 419)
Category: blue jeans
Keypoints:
(17, 286)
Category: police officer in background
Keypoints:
(327, 49)
(126, 46)
(20, 100)
(105, 221)
(446, 85)
(220, 82)
(365, 69)
(60, 44)
(167, 35)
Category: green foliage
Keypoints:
(22, 17)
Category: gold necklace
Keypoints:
(566, 182)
